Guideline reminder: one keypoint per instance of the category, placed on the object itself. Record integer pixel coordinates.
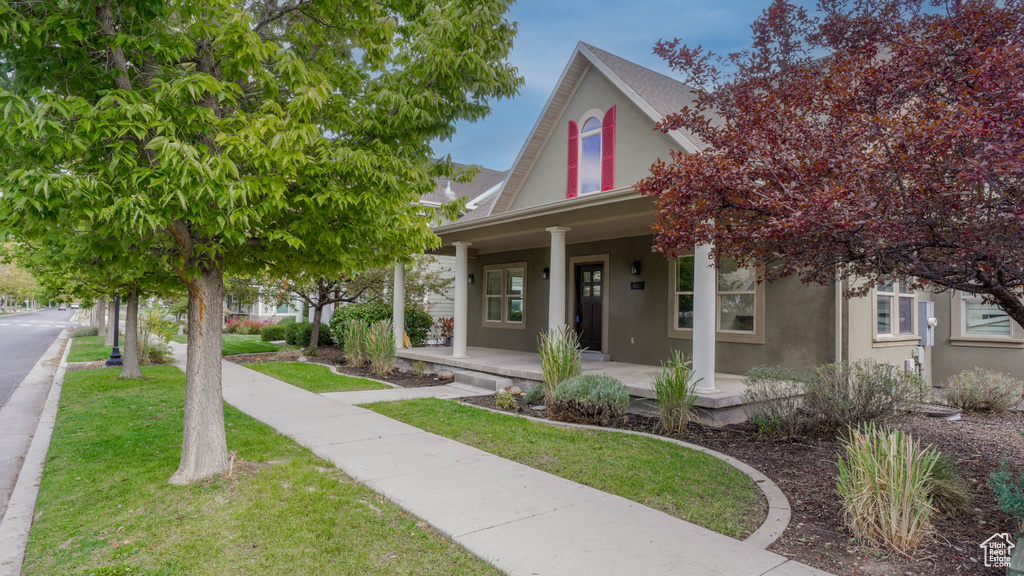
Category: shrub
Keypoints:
(535, 395)
(155, 331)
(83, 331)
(503, 400)
(286, 321)
(853, 392)
(673, 390)
(560, 358)
(947, 490)
(883, 483)
(1009, 490)
(273, 332)
(380, 347)
(417, 320)
(590, 399)
(244, 325)
(298, 334)
(772, 397)
(980, 390)
(287, 354)
(355, 341)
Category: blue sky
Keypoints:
(550, 29)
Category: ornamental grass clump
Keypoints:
(674, 392)
(592, 399)
(773, 399)
(1008, 486)
(883, 484)
(380, 347)
(560, 358)
(354, 341)
(981, 390)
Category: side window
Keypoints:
(895, 304)
(739, 302)
(977, 323)
(505, 295)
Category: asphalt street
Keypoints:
(23, 339)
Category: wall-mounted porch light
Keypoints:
(635, 268)
(469, 279)
(545, 273)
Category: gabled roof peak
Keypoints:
(655, 94)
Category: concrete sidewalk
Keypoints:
(521, 520)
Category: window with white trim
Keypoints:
(978, 323)
(739, 301)
(591, 159)
(895, 309)
(505, 295)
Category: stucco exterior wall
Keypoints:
(637, 143)
(799, 319)
(948, 358)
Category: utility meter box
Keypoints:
(926, 323)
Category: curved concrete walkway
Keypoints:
(521, 520)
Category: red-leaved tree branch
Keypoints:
(880, 138)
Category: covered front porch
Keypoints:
(494, 368)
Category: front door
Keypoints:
(589, 304)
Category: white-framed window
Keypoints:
(505, 295)
(977, 323)
(591, 158)
(895, 310)
(739, 302)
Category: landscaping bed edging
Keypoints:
(775, 523)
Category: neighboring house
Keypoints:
(480, 194)
(260, 309)
(566, 240)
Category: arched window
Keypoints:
(591, 155)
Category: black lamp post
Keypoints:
(115, 354)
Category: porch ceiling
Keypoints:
(618, 214)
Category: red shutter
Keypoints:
(573, 174)
(608, 150)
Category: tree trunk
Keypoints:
(204, 448)
(101, 317)
(130, 357)
(111, 329)
(314, 333)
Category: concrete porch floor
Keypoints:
(724, 406)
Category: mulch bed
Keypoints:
(805, 469)
(335, 356)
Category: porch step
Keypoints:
(594, 356)
(489, 382)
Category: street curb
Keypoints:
(17, 520)
(779, 512)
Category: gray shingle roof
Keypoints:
(447, 190)
(666, 95)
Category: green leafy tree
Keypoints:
(422, 277)
(282, 136)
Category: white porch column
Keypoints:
(704, 306)
(556, 276)
(461, 299)
(398, 306)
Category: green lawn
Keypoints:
(239, 344)
(90, 348)
(665, 476)
(315, 377)
(105, 507)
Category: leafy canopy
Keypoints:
(877, 138)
